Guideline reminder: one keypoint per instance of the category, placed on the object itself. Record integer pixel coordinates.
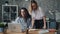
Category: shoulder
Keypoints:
(40, 8)
(17, 20)
(17, 17)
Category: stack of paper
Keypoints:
(43, 31)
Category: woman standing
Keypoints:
(38, 16)
(24, 19)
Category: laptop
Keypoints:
(14, 27)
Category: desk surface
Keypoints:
(1, 33)
(30, 32)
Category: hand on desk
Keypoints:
(44, 27)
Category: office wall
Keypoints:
(47, 5)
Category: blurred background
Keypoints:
(49, 6)
(9, 10)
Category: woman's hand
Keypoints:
(44, 19)
(44, 27)
(32, 22)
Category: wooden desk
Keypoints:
(30, 32)
(37, 32)
(1, 33)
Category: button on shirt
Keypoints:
(38, 14)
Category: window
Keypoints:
(9, 13)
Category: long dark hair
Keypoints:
(26, 13)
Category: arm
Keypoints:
(32, 22)
(44, 19)
(17, 20)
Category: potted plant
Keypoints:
(1, 27)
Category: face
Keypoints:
(34, 6)
(22, 12)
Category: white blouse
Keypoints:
(38, 14)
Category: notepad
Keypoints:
(43, 31)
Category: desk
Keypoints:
(1, 33)
(30, 32)
(37, 32)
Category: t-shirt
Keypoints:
(38, 14)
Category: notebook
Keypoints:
(43, 31)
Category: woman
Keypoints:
(38, 16)
(24, 19)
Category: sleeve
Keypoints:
(33, 15)
(29, 23)
(42, 11)
(17, 20)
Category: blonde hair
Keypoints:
(30, 9)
